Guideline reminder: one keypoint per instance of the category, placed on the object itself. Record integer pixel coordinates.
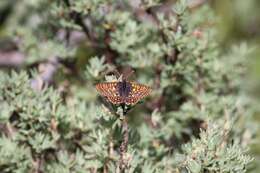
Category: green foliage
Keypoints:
(197, 119)
(212, 153)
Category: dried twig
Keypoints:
(38, 164)
(47, 72)
(11, 58)
(123, 146)
(78, 19)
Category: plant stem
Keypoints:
(123, 146)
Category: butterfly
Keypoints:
(123, 92)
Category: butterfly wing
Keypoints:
(110, 91)
(138, 91)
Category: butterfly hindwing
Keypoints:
(110, 91)
(115, 100)
(138, 91)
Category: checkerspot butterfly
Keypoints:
(123, 92)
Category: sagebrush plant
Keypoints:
(198, 117)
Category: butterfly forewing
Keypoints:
(138, 91)
(110, 91)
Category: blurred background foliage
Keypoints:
(240, 22)
(200, 57)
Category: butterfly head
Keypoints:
(125, 75)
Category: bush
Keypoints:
(198, 117)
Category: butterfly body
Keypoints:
(124, 88)
(123, 92)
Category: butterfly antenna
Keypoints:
(117, 73)
(126, 76)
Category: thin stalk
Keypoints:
(124, 145)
